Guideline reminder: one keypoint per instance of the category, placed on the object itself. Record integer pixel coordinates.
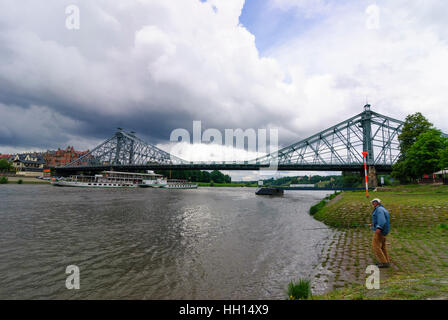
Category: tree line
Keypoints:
(424, 149)
(196, 175)
(346, 180)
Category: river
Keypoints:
(208, 243)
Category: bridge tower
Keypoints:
(131, 148)
(366, 122)
(119, 144)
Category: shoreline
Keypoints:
(417, 244)
(32, 180)
(25, 180)
(219, 185)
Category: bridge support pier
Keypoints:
(371, 177)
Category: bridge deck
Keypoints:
(222, 166)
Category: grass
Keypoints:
(299, 290)
(318, 206)
(417, 244)
(399, 287)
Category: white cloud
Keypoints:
(399, 67)
(208, 152)
(186, 59)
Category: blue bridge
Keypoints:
(338, 148)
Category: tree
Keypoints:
(414, 125)
(4, 165)
(205, 176)
(351, 179)
(444, 159)
(196, 175)
(217, 176)
(400, 172)
(424, 156)
(444, 154)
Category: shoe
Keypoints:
(383, 265)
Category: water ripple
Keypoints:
(209, 243)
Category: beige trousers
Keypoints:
(379, 248)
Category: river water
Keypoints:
(208, 243)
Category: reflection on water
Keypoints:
(208, 243)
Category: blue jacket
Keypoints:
(380, 219)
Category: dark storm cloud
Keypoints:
(152, 66)
(141, 66)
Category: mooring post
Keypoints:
(373, 180)
(364, 155)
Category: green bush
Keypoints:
(3, 180)
(299, 290)
(20, 181)
(314, 209)
(5, 165)
(331, 196)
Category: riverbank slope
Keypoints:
(417, 244)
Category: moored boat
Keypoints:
(179, 184)
(115, 179)
(269, 191)
(112, 179)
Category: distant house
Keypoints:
(28, 164)
(5, 157)
(442, 175)
(434, 178)
(61, 157)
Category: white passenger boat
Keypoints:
(179, 184)
(113, 179)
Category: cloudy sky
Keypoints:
(152, 66)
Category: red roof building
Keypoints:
(62, 157)
(5, 156)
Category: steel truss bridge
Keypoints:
(338, 148)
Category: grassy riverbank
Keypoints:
(417, 244)
(26, 180)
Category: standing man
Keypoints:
(381, 226)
